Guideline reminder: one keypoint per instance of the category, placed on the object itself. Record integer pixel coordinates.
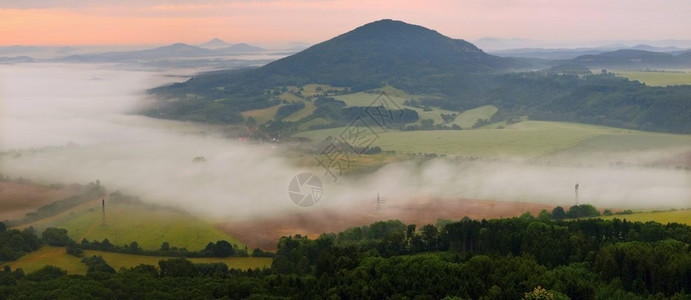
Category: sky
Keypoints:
(274, 22)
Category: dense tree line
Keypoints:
(468, 259)
(15, 243)
(220, 248)
(288, 109)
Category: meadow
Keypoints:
(56, 256)
(262, 115)
(395, 98)
(465, 119)
(528, 139)
(658, 78)
(662, 217)
(149, 226)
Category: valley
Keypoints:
(181, 170)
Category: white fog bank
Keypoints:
(81, 113)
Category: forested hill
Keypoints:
(445, 72)
(385, 51)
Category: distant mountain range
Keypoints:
(178, 50)
(447, 73)
(571, 53)
(214, 54)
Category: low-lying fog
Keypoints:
(70, 123)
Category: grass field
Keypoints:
(524, 139)
(262, 115)
(304, 112)
(394, 98)
(469, 117)
(147, 225)
(56, 256)
(662, 217)
(528, 139)
(398, 97)
(653, 78)
(631, 141)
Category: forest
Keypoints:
(524, 257)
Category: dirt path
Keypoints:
(86, 233)
(17, 264)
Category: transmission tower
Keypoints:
(103, 211)
(378, 202)
(576, 189)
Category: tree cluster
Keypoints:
(15, 243)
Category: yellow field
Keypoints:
(663, 217)
(56, 256)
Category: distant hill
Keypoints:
(670, 49)
(241, 48)
(15, 59)
(214, 44)
(178, 50)
(635, 59)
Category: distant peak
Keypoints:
(215, 43)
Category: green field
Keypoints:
(147, 225)
(56, 256)
(298, 115)
(399, 98)
(524, 139)
(262, 115)
(657, 78)
(630, 141)
(662, 217)
(469, 117)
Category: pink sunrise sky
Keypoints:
(267, 22)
